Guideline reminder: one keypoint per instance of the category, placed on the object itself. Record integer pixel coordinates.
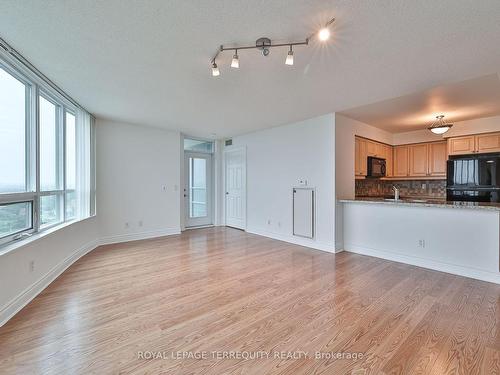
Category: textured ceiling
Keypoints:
(147, 62)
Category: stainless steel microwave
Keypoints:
(376, 167)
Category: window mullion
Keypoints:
(36, 125)
(63, 132)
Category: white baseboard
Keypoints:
(473, 273)
(323, 246)
(15, 305)
(138, 236)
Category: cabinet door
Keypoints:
(360, 157)
(488, 142)
(461, 145)
(357, 157)
(357, 171)
(400, 168)
(363, 157)
(371, 148)
(418, 160)
(388, 159)
(437, 159)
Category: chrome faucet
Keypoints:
(396, 192)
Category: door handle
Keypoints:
(227, 192)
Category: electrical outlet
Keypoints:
(32, 265)
(421, 243)
(164, 188)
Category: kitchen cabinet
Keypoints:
(364, 148)
(437, 159)
(474, 144)
(360, 156)
(400, 168)
(388, 160)
(415, 160)
(461, 145)
(418, 160)
(487, 143)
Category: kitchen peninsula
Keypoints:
(455, 237)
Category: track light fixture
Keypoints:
(215, 69)
(264, 45)
(289, 57)
(235, 63)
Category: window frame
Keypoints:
(36, 88)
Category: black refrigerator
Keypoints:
(473, 178)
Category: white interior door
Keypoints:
(235, 194)
(198, 189)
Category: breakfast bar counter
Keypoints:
(461, 238)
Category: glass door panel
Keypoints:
(198, 170)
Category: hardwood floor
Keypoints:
(225, 291)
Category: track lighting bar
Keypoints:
(304, 43)
(265, 44)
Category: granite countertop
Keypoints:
(425, 202)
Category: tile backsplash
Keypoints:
(421, 188)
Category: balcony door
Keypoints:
(198, 189)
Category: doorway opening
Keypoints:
(198, 183)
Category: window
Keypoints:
(46, 156)
(198, 145)
(15, 218)
(70, 166)
(50, 148)
(13, 109)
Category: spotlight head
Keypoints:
(289, 57)
(215, 70)
(235, 63)
(324, 34)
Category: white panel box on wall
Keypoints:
(303, 212)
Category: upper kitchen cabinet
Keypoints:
(364, 148)
(387, 155)
(437, 159)
(461, 145)
(360, 156)
(418, 160)
(488, 143)
(474, 144)
(400, 168)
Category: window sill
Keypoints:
(5, 249)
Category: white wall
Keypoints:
(52, 253)
(481, 125)
(276, 159)
(457, 240)
(138, 180)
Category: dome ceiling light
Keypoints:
(265, 44)
(439, 126)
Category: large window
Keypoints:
(13, 111)
(46, 156)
